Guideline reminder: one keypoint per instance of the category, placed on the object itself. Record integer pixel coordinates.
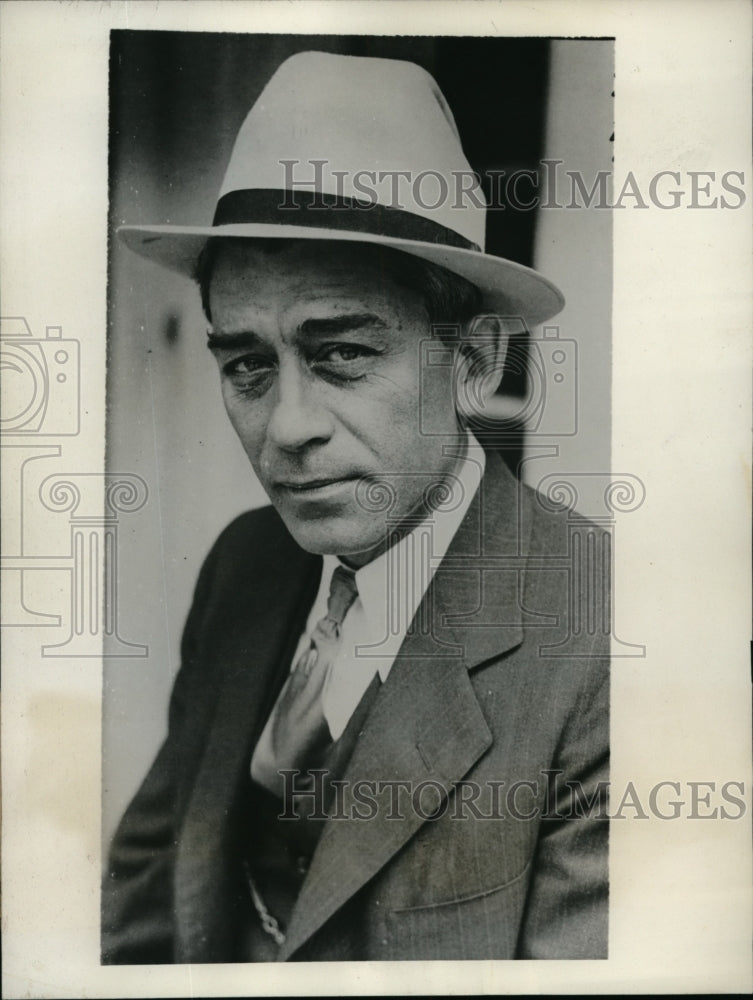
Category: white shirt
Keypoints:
(390, 590)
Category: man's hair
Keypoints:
(448, 298)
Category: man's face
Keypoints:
(320, 364)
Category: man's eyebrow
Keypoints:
(334, 325)
(227, 341)
(316, 327)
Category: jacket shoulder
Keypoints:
(552, 523)
(260, 533)
(250, 554)
(261, 521)
(568, 576)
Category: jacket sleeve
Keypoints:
(567, 908)
(137, 890)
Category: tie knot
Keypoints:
(342, 593)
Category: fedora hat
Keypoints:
(356, 149)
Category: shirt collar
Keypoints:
(418, 554)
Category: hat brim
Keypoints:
(509, 288)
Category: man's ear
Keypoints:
(480, 365)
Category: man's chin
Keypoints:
(355, 543)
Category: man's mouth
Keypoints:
(304, 486)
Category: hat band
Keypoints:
(271, 206)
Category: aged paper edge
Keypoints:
(680, 913)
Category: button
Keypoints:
(302, 864)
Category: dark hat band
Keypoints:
(270, 206)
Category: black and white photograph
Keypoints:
(393, 696)
(377, 445)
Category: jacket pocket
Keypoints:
(484, 925)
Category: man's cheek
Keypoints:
(251, 437)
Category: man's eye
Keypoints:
(344, 352)
(345, 360)
(246, 367)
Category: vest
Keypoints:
(278, 851)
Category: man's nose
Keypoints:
(299, 415)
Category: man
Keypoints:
(373, 751)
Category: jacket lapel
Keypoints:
(426, 724)
(268, 620)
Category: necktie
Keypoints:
(296, 731)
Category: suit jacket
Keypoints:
(504, 691)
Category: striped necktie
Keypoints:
(296, 733)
